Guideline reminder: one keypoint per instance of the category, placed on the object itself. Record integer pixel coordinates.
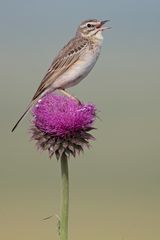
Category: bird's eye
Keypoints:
(89, 25)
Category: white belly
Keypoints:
(78, 71)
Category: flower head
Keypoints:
(61, 125)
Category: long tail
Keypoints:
(35, 99)
(24, 114)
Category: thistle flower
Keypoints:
(61, 125)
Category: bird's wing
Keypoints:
(65, 59)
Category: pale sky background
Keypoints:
(115, 185)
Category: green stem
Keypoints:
(65, 199)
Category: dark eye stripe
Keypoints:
(89, 25)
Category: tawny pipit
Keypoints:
(73, 62)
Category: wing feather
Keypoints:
(65, 59)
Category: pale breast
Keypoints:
(79, 70)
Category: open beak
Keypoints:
(101, 26)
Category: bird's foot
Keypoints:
(70, 96)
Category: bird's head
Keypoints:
(92, 28)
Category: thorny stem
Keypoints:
(65, 199)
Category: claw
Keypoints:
(70, 96)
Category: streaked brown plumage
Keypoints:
(66, 58)
(73, 62)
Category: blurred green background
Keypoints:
(115, 186)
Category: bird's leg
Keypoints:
(69, 95)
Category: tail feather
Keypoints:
(24, 114)
(32, 103)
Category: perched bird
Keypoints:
(73, 62)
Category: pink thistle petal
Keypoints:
(62, 116)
